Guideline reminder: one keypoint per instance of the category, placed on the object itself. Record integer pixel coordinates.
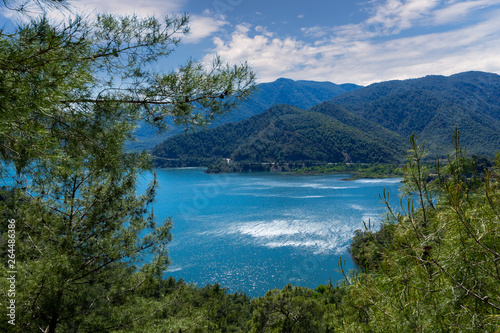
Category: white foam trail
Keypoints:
(174, 269)
(318, 237)
(379, 181)
(322, 186)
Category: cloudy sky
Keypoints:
(334, 40)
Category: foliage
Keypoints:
(71, 94)
(284, 134)
(432, 106)
(439, 270)
(358, 170)
(181, 307)
(366, 246)
(295, 309)
(301, 94)
(83, 235)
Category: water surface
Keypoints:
(258, 231)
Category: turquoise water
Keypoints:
(259, 231)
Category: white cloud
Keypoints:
(267, 54)
(158, 8)
(347, 58)
(387, 18)
(471, 48)
(202, 27)
(263, 31)
(394, 16)
(123, 7)
(457, 11)
(317, 31)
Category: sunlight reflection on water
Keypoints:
(254, 232)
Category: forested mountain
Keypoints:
(302, 94)
(283, 133)
(83, 250)
(361, 125)
(432, 106)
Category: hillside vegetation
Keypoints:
(286, 134)
(302, 94)
(83, 251)
(432, 106)
(433, 267)
(365, 125)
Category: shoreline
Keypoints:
(355, 175)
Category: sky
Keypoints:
(341, 41)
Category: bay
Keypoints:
(253, 232)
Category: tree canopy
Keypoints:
(83, 252)
(71, 92)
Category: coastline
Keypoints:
(356, 171)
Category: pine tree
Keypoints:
(71, 94)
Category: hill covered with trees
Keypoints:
(432, 267)
(364, 125)
(301, 94)
(284, 134)
(78, 242)
(84, 252)
(432, 106)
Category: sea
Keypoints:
(254, 232)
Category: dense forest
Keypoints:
(356, 170)
(432, 106)
(432, 267)
(365, 125)
(79, 244)
(285, 134)
(82, 251)
(301, 94)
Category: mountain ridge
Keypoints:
(432, 106)
(300, 93)
(366, 125)
(285, 134)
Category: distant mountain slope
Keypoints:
(432, 106)
(302, 94)
(371, 130)
(285, 133)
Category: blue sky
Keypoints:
(339, 41)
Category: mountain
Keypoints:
(432, 106)
(283, 133)
(368, 124)
(302, 94)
